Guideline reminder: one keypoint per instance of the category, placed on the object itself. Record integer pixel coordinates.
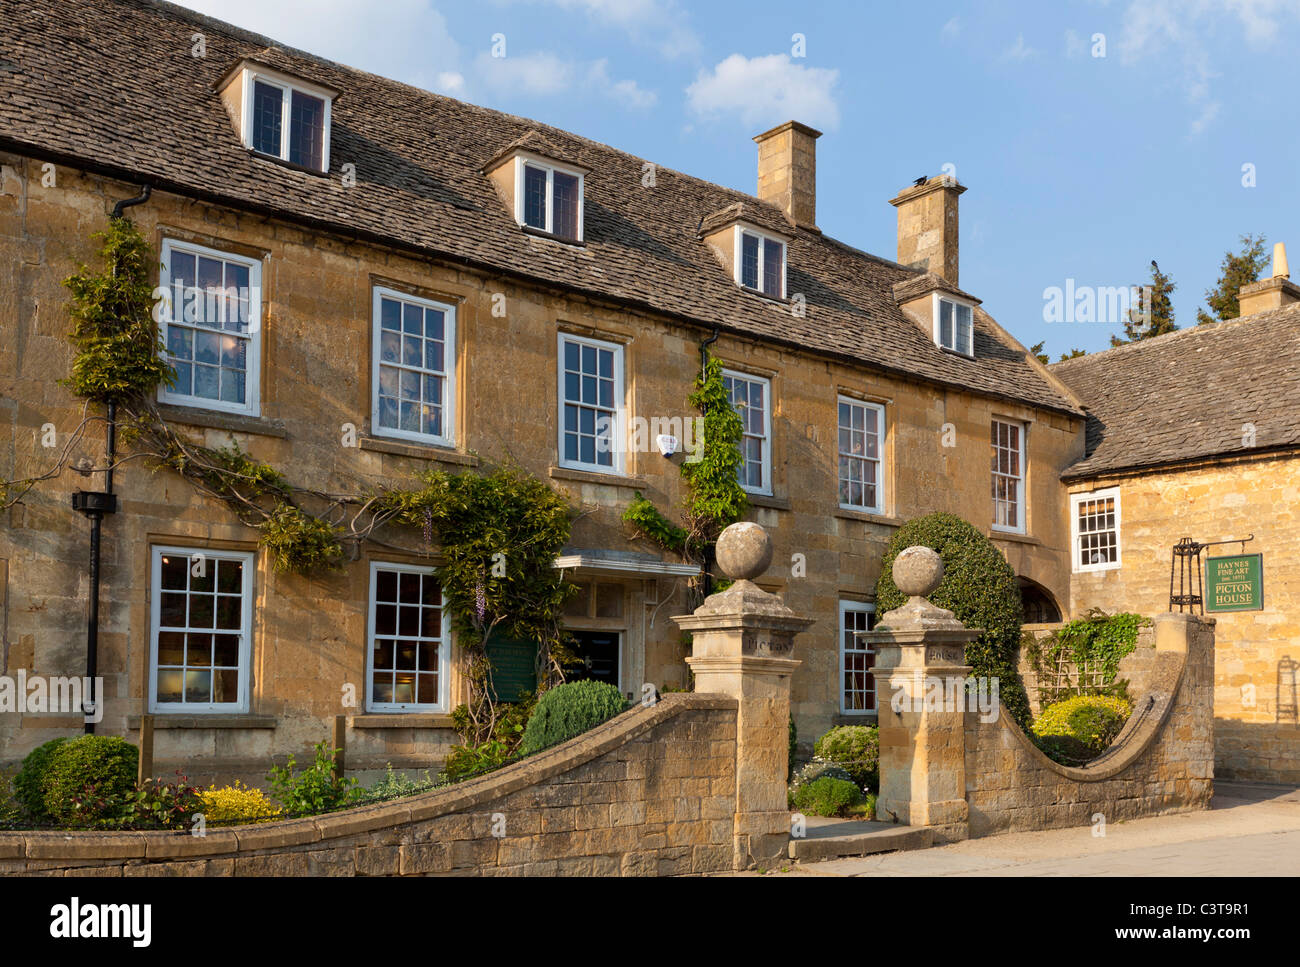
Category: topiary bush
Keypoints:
(826, 797)
(86, 776)
(1080, 728)
(27, 783)
(855, 748)
(979, 587)
(569, 710)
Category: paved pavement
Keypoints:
(1251, 830)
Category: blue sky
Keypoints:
(1077, 166)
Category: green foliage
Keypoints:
(716, 497)
(29, 782)
(395, 785)
(299, 542)
(979, 587)
(1236, 270)
(1094, 643)
(1161, 307)
(826, 796)
(856, 748)
(11, 810)
(119, 349)
(86, 778)
(570, 710)
(815, 770)
(155, 805)
(314, 790)
(474, 759)
(647, 521)
(236, 473)
(1080, 728)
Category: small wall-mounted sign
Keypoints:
(1234, 583)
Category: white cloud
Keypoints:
(1208, 113)
(766, 90)
(450, 82)
(407, 40)
(951, 30)
(1019, 50)
(626, 92)
(1075, 46)
(536, 74)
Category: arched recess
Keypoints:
(1039, 605)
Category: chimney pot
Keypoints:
(787, 171)
(1272, 293)
(1280, 269)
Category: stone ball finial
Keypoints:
(918, 571)
(744, 551)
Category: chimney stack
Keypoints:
(787, 171)
(927, 226)
(1271, 293)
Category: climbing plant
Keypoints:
(1090, 649)
(714, 498)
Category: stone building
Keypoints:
(446, 287)
(1195, 434)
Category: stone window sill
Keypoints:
(1014, 538)
(400, 720)
(848, 513)
(768, 502)
(591, 477)
(231, 422)
(401, 448)
(205, 722)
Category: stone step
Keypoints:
(828, 840)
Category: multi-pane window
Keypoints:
(591, 398)
(861, 433)
(287, 122)
(750, 396)
(953, 328)
(762, 263)
(1008, 441)
(857, 659)
(408, 641)
(414, 367)
(1095, 523)
(201, 623)
(551, 200)
(211, 327)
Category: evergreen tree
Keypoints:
(1235, 270)
(1158, 305)
(1072, 354)
(1037, 350)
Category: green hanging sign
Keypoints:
(1234, 583)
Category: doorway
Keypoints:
(597, 653)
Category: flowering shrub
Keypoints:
(236, 803)
(815, 770)
(856, 748)
(1080, 728)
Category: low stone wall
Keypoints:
(1162, 762)
(651, 792)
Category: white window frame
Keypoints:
(879, 409)
(741, 230)
(248, 559)
(617, 431)
(769, 403)
(1076, 535)
(444, 645)
(860, 607)
(253, 369)
(1023, 434)
(448, 436)
(550, 167)
(940, 298)
(287, 86)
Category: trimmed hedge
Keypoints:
(568, 710)
(31, 777)
(855, 748)
(1080, 728)
(979, 587)
(103, 761)
(826, 797)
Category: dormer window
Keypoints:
(281, 116)
(548, 198)
(761, 265)
(953, 327)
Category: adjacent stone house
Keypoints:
(1195, 434)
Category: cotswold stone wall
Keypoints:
(651, 792)
(1162, 762)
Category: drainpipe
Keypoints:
(94, 505)
(704, 369)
